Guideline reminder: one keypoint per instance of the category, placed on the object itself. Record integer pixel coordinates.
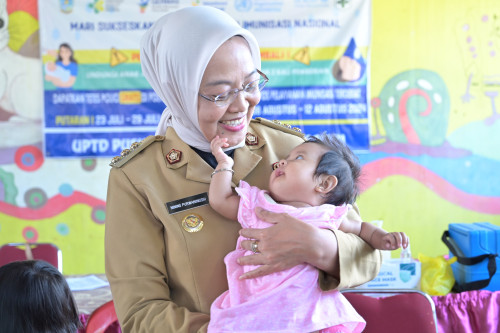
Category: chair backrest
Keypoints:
(409, 311)
(102, 319)
(25, 251)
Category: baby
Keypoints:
(58, 72)
(316, 183)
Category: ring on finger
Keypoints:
(255, 247)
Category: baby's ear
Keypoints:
(326, 183)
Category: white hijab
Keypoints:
(174, 54)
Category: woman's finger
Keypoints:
(251, 233)
(247, 245)
(253, 260)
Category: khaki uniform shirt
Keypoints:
(166, 269)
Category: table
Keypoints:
(89, 300)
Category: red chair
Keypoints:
(103, 319)
(28, 251)
(409, 311)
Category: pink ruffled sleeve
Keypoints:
(248, 199)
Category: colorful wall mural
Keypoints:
(435, 140)
(435, 132)
(59, 201)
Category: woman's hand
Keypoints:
(289, 242)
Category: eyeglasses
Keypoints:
(229, 96)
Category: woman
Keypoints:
(164, 244)
(63, 72)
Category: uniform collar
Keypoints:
(245, 160)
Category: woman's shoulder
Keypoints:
(275, 132)
(135, 148)
(269, 126)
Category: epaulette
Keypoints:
(280, 126)
(135, 148)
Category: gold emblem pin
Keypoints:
(251, 140)
(192, 223)
(174, 156)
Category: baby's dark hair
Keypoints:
(35, 297)
(342, 163)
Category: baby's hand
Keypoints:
(394, 240)
(216, 145)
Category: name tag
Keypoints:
(193, 201)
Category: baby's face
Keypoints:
(293, 179)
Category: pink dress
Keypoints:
(287, 301)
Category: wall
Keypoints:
(435, 132)
(60, 201)
(435, 85)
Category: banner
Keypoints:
(97, 102)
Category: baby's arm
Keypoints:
(220, 194)
(378, 238)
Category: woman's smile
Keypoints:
(234, 125)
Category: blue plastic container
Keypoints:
(474, 239)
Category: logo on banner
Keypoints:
(117, 57)
(243, 5)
